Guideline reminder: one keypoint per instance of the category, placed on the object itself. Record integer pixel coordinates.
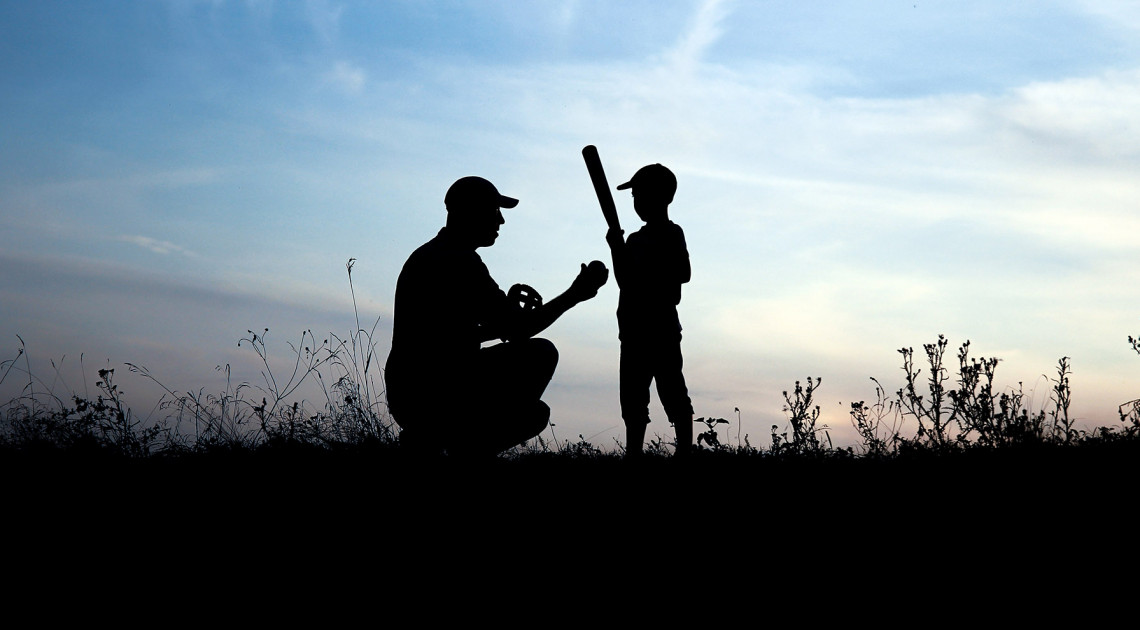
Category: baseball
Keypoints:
(597, 270)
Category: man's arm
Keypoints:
(528, 322)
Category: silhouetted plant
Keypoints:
(103, 424)
(802, 418)
(582, 449)
(657, 447)
(931, 414)
(115, 422)
(709, 437)
(1130, 416)
(974, 414)
(359, 389)
(991, 419)
(219, 420)
(241, 416)
(879, 437)
(1060, 395)
(972, 404)
(1020, 424)
(1130, 411)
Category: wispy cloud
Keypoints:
(155, 245)
(565, 15)
(1089, 118)
(324, 17)
(1120, 14)
(346, 77)
(703, 32)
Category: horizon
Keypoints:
(852, 180)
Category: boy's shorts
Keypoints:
(644, 361)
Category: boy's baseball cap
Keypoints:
(476, 191)
(654, 177)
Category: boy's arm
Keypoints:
(616, 239)
(684, 269)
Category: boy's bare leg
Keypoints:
(684, 427)
(634, 439)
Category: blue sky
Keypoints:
(854, 178)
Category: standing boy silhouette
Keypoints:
(650, 268)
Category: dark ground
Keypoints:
(1044, 481)
(755, 532)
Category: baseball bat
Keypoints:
(601, 187)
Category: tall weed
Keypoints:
(803, 414)
(878, 424)
(975, 413)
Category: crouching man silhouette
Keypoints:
(444, 390)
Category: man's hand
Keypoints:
(589, 280)
(526, 297)
(534, 316)
(615, 237)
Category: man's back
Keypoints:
(446, 303)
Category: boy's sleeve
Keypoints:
(617, 254)
(684, 270)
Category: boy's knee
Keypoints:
(635, 420)
(675, 399)
(681, 410)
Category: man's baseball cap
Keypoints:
(476, 191)
(653, 177)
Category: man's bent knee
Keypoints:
(543, 354)
(531, 365)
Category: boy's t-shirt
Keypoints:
(656, 264)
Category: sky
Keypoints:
(854, 178)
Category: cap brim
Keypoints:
(628, 184)
(507, 202)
